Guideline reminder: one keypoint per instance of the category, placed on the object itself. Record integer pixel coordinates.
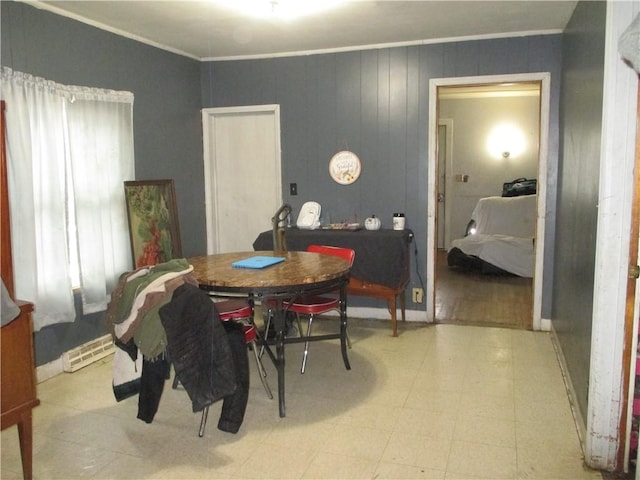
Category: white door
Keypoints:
(242, 174)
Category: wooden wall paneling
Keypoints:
(413, 136)
(326, 128)
(383, 140)
(398, 111)
(294, 84)
(348, 126)
(370, 197)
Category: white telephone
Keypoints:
(309, 216)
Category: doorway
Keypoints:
(242, 166)
(471, 84)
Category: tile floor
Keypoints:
(438, 402)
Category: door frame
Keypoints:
(448, 176)
(545, 93)
(209, 116)
(632, 312)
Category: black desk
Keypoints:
(381, 266)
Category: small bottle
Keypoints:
(398, 221)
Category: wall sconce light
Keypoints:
(505, 141)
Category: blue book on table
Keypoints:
(259, 261)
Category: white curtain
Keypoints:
(101, 154)
(66, 142)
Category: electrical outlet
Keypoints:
(416, 295)
(293, 189)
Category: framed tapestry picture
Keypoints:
(153, 221)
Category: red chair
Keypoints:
(315, 304)
(239, 310)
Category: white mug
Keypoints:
(398, 221)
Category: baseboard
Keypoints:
(545, 325)
(49, 370)
(578, 419)
(383, 314)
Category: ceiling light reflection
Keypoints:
(282, 9)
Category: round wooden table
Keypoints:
(301, 273)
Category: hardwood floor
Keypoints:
(473, 299)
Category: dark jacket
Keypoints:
(209, 357)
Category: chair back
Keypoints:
(347, 253)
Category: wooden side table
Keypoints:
(362, 288)
(19, 382)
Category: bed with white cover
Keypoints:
(503, 240)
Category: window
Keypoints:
(69, 151)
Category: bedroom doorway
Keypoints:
(455, 296)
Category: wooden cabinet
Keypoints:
(18, 381)
(17, 367)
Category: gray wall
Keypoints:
(581, 123)
(166, 113)
(375, 102)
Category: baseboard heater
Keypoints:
(88, 353)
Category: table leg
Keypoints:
(392, 303)
(280, 369)
(280, 323)
(343, 326)
(392, 309)
(26, 444)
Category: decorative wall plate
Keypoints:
(344, 167)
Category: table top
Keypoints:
(299, 270)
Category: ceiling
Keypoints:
(207, 30)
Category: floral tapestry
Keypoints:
(153, 222)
